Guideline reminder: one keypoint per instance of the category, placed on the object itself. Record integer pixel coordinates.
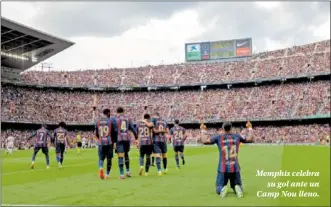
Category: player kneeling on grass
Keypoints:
(61, 142)
(41, 136)
(228, 167)
(145, 141)
(106, 135)
(178, 138)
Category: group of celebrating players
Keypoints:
(151, 137)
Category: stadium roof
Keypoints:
(23, 47)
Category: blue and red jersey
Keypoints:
(123, 126)
(60, 136)
(228, 146)
(105, 132)
(178, 135)
(41, 137)
(159, 124)
(145, 134)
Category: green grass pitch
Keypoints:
(78, 182)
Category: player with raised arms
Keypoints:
(160, 142)
(228, 166)
(123, 126)
(145, 140)
(106, 135)
(41, 140)
(61, 142)
(178, 134)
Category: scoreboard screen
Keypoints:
(218, 49)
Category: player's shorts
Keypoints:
(105, 151)
(43, 149)
(123, 146)
(146, 150)
(79, 144)
(60, 148)
(10, 145)
(160, 148)
(223, 178)
(179, 148)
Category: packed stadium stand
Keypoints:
(261, 102)
(38, 96)
(310, 59)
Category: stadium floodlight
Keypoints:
(14, 56)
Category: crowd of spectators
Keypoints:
(287, 134)
(284, 101)
(299, 60)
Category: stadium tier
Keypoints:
(311, 59)
(261, 102)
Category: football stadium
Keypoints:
(160, 135)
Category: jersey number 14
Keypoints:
(229, 152)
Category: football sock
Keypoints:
(100, 164)
(121, 165)
(165, 162)
(158, 163)
(141, 161)
(153, 160)
(47, 159)
(127, 162)
(58, 158)
(34, 156)
(218, 189)
(177, 159)
(182, 156)
(148, 163)
(109, 163)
